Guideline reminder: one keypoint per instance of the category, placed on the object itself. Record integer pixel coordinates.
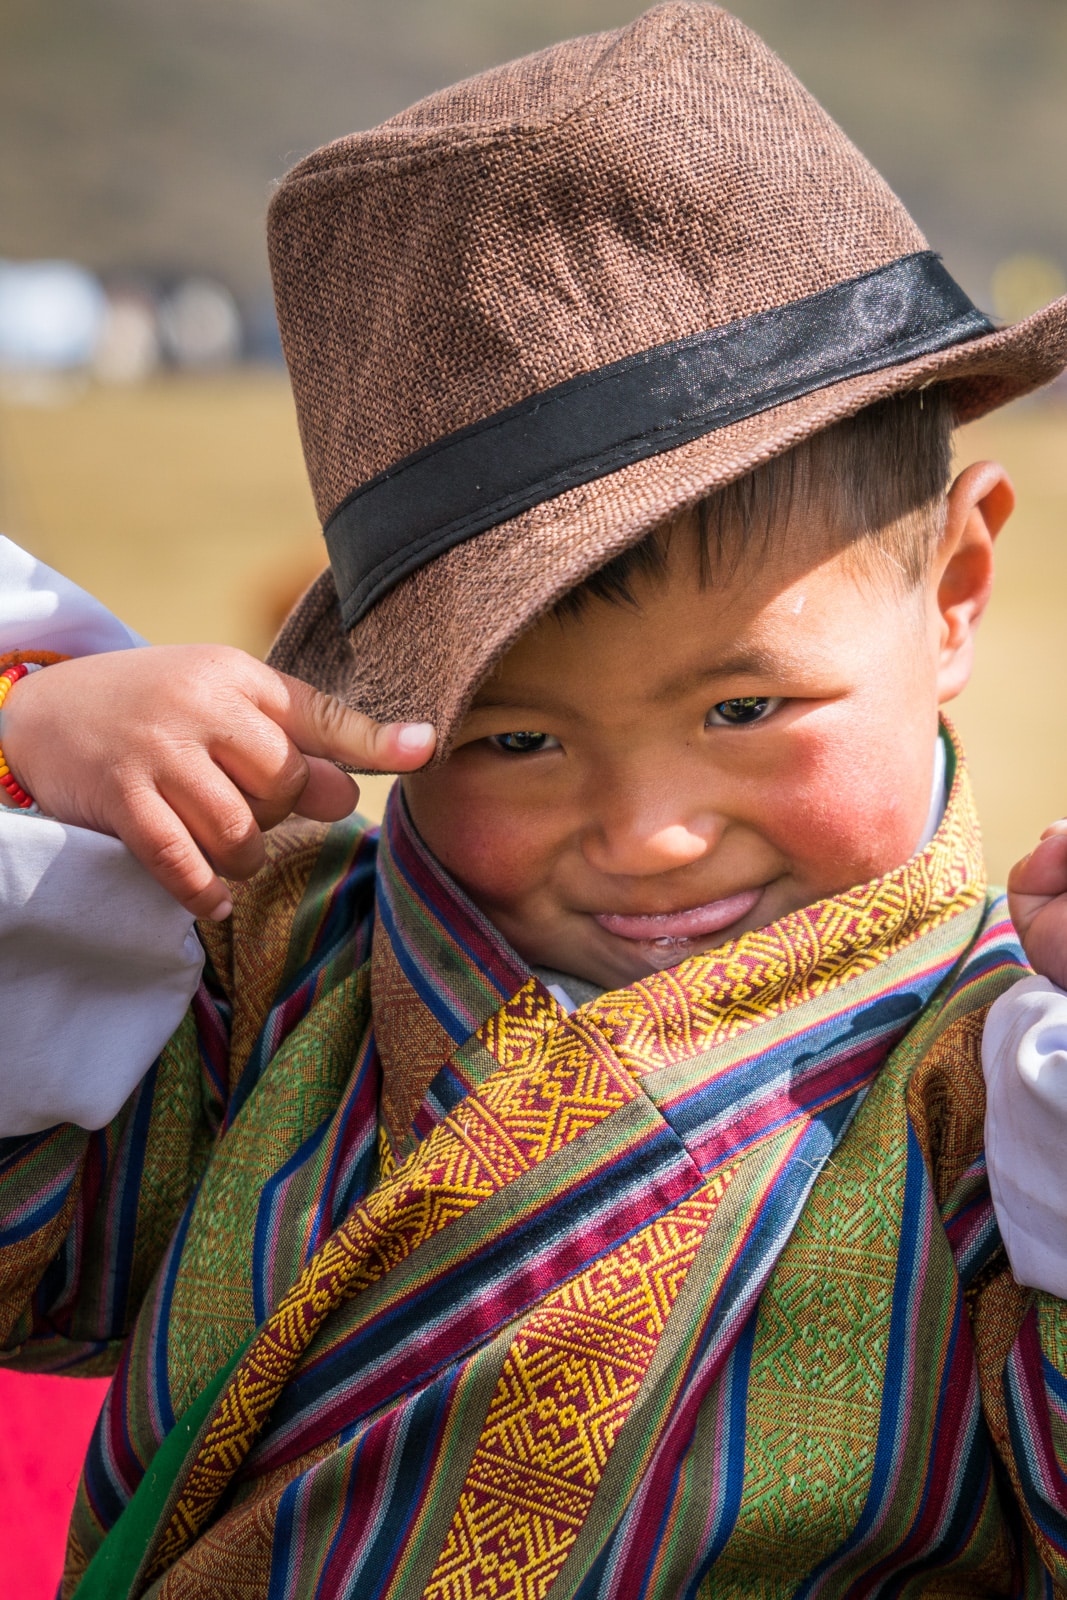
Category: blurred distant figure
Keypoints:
(129, 349)
(201, 325)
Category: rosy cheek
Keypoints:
(840, 818)
(492, 845)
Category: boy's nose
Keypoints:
(641, 841)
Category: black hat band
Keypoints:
(594, 424)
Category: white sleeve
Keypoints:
(42, 610)
(97, 963)
(1024, 1058)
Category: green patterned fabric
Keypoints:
(417, 1286)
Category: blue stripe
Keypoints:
(135, 1148)
(785, 1066)
(16, 1148)
(734, 1449)
(1054, 1380)
(1050, 1519)
(966, 1495)
(42, 1214)
(161, 1317)
(422, 1431)
(458, 1028)
(399, 828)
(109, 1499)
(353, 1163)
(270, 1197)
(341, 941)
(446, 1091)
(476, 1276)
(279, 1579)
(899, 1352)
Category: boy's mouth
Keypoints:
(666, 928)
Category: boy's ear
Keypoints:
(979, 503)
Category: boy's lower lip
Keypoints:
(696, 923)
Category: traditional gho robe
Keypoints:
(416, 1285)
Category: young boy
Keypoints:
(580, 1191)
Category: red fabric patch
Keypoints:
(45, 1425)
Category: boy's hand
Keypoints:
(186, 752)
(1037, 899)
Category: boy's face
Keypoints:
(637, 784)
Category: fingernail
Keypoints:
(414, 735)
(221, 911)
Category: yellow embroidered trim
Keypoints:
(568, 1382)
(386, 1158)
(554, 1084)
(674, 1015)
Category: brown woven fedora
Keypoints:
(547, 308)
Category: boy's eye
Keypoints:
(735, 713)
(523, 743)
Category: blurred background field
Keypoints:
(141, 136)
(147, 441)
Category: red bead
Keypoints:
(22, 800)
(17, 793)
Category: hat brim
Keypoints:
(420, 653)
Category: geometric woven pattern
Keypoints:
(553, 1084)
(857, 1400)
(567, 1385)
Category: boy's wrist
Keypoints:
(12, 792)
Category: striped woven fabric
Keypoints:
(415, 1285)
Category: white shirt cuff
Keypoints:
(1024, 1058)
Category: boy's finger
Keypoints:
(220, 817)
(329, 793)
(277, 779)
(264, 764)
(1044, 871)
(319, 725)
(166, 849)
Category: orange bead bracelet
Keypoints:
(8, 680)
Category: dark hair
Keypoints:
(877, 481)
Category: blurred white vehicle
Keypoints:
(51, 314)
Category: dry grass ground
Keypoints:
(184, 507)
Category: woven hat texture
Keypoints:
(541, 222)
